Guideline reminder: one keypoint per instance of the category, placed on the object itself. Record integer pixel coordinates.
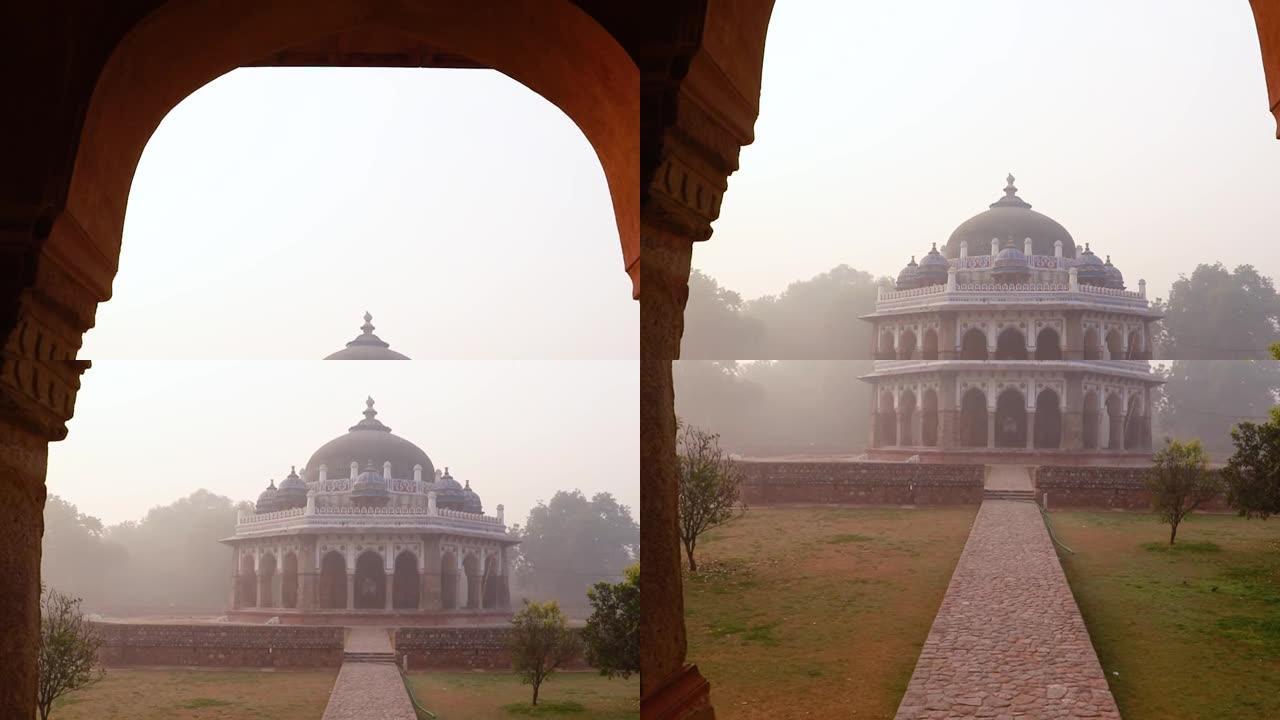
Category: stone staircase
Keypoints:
(1003, 494)
(369, 657)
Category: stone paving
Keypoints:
(1008, 641)
(369, 690)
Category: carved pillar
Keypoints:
(351, 590)
(391, 584)
(1073, 414)
(235, 578)
(1074, 336)
(264, 590)
(307, 576)
(947, 337)
(917, 426)
(1031, 429)
(277, 587)
(991, 429)
(947, 411)
(1117, 432)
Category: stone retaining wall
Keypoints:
(1116, 488)
(472, 648)
(862, 483)
(220, 645)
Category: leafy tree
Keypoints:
(709, 486)
(714, 325)
(612, 634)
(571, 543)
(540, 643)
(818, 318)
(1252, 475)
(1275, 351)
(1180, 482)
(68, 650)
(1217, 330)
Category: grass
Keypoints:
(1191, 631)
(818, 611)
(500, 695)
(156, 694)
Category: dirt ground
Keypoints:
(819, 612)
(1192, 632)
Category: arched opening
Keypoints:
(1091, 420)
(1011, 419)
(1048, 427)
(405, 586)
(973, 346)
(929, 420)
(973, 418)
(1047, 345)
(266, 580)
(906, 416)
(1133, 424)
(886, 348)
(1114, 421)
(289, 581)
(471, 567)
(248, 582)
(1135, 340)
(370, 582)
(332, 588)
(449, 581)
(1092, 344)
(906, 345)
(489, 592)
(1011, 344)
(929, 348)
(888, 420)
(1115, 345)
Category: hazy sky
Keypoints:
(1141, 126)
(273, 207)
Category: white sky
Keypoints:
(1140, 125)
(273, 207)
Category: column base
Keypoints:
(686, 695)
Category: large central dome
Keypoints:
(369, 441)
(1010, 220)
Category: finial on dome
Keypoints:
(1010, 190)
(369, 412)
(934, 248)
(272, 485)
(367, 327)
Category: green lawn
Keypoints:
(494, 695)
(161, 694)
(1188, 633)
(819, 612)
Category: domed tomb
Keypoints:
(367, 346)
(1010, 219)
(368, 441)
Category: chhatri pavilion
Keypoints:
(371, 532)
(1012, 344)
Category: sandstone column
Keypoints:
(430, 598)
(991, 429)
(391, 578)
(1073, 414)
(1031, 429)
(351, 590)
(307, 576)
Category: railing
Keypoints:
(399, 511)
(988, 293)
(1113, 292)
(1012, 287)
(267, 517)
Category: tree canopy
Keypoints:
(709, 486)
(1252, 474)
(1180, 482)
(612, 634)
(571, 543)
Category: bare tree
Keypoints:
(68, 649)
(540, 643)
(709, 486)
(1180, 482)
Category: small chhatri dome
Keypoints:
(370, 488)
(267, 500)
(910, 275)
(367, 346)
(1010, 265)
(1010, 219)
(292, 492)
(1089, 269)
(933, 268)
(1115, 279)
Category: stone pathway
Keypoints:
(1008, 641)
(368, 690)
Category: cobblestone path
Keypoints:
(1008, 641)
(369, 690)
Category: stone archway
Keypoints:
(1092, 420)
(1115, 345)
(929, 346)
(1092, 344)
(906, 345)
(332, 589)
(929, 418)
(1048, 345)
(406, 587)
(1011, 419)
(973, 418)
(248, 582)
(289, 581)
(1048, 425)
(449, 581)
(973, 346)
(1134, 352)
(266, 580)
(885, 349)
(1011, 344)
(370, 586)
